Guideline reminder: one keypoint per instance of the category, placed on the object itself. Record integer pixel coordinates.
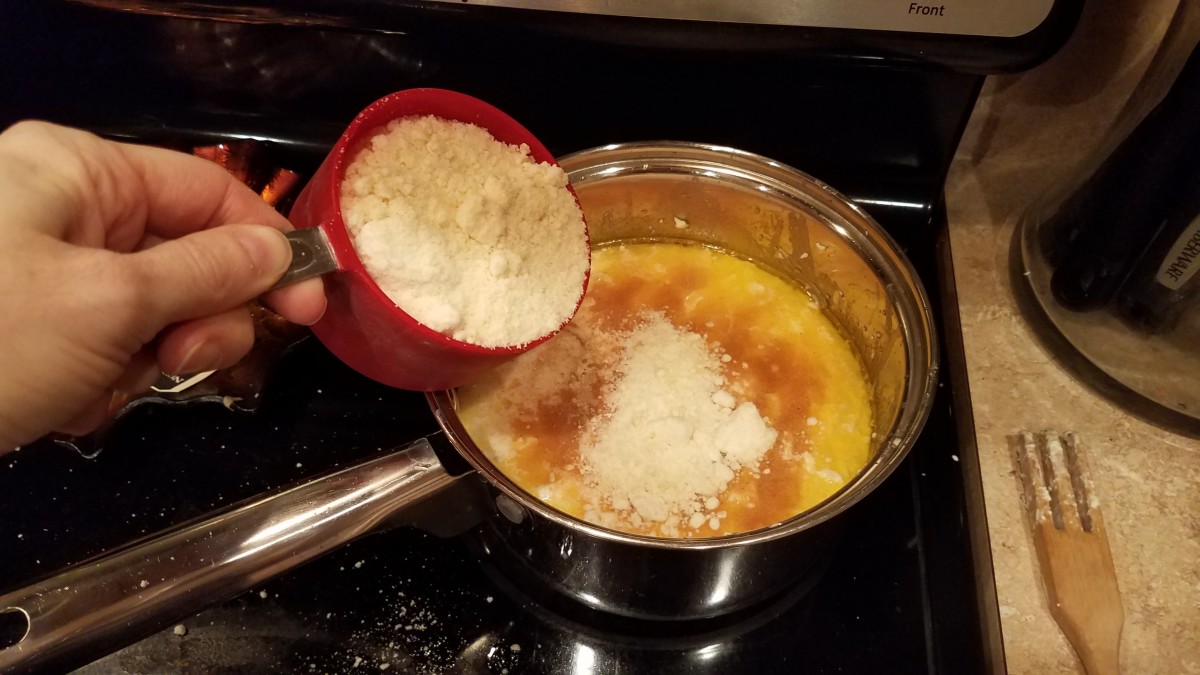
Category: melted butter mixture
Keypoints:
(775, 349)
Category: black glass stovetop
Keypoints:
(897, 594)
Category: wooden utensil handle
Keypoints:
(1081, 583)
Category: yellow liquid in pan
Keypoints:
(785, 356)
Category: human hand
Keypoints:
(118, 262)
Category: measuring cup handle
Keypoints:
(96, 607)
(312, 256)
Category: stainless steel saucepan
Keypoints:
(734, 200)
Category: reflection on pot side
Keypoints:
(755, 409)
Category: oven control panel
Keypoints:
(973, 36)
(986, 18)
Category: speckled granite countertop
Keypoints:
(1028, 132)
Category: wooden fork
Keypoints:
(1072, 548)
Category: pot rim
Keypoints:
(847, 219)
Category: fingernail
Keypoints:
(267, 247)
(201, 357)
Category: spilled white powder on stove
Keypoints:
(672, 438)
(468, 235)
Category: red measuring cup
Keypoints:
(363, 326)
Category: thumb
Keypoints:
(210, 271)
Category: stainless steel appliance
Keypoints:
(1104, 266)
(867, 96)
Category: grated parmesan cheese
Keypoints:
(672, 438)
(469, 236)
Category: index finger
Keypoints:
(83, 189)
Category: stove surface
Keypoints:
(417, 603)
(896, 593)
(904, 590)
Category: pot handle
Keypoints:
(96, 607)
